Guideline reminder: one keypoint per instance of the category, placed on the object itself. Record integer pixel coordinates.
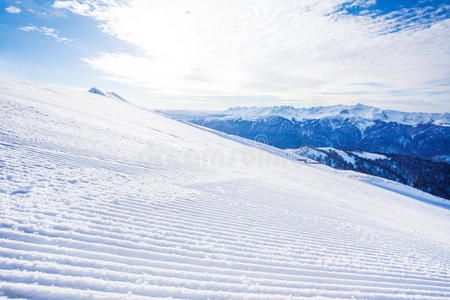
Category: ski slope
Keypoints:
(101, 199)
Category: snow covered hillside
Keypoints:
(428, 176)
(103, 200)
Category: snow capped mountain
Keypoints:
(100, 92)
(100, 199)
(357, 112)
(341, 127)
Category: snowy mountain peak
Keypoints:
(100, 92)
(97, 91)
(361, 106)
(358, 112)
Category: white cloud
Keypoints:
(74, 6)
(13, 10)
(293, 49)
(51, 32)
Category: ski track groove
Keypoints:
(155, 247)
(368, 258)
(217, 262)
(116, 240)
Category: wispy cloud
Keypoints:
(51, 32)
(13, 9)
(74, 6)
(294, 49)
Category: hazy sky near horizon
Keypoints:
(215, 54)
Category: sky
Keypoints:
(214, 54)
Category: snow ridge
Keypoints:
(100, 92)
(358, 112)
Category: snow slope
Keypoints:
(103, 200)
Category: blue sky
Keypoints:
(36, 56)
(216, 54)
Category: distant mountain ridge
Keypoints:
(423, 135)
(358, 111)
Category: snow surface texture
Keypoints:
(363, 113)
(103, 200)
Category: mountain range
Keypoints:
(358, 111)
(360, 127)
